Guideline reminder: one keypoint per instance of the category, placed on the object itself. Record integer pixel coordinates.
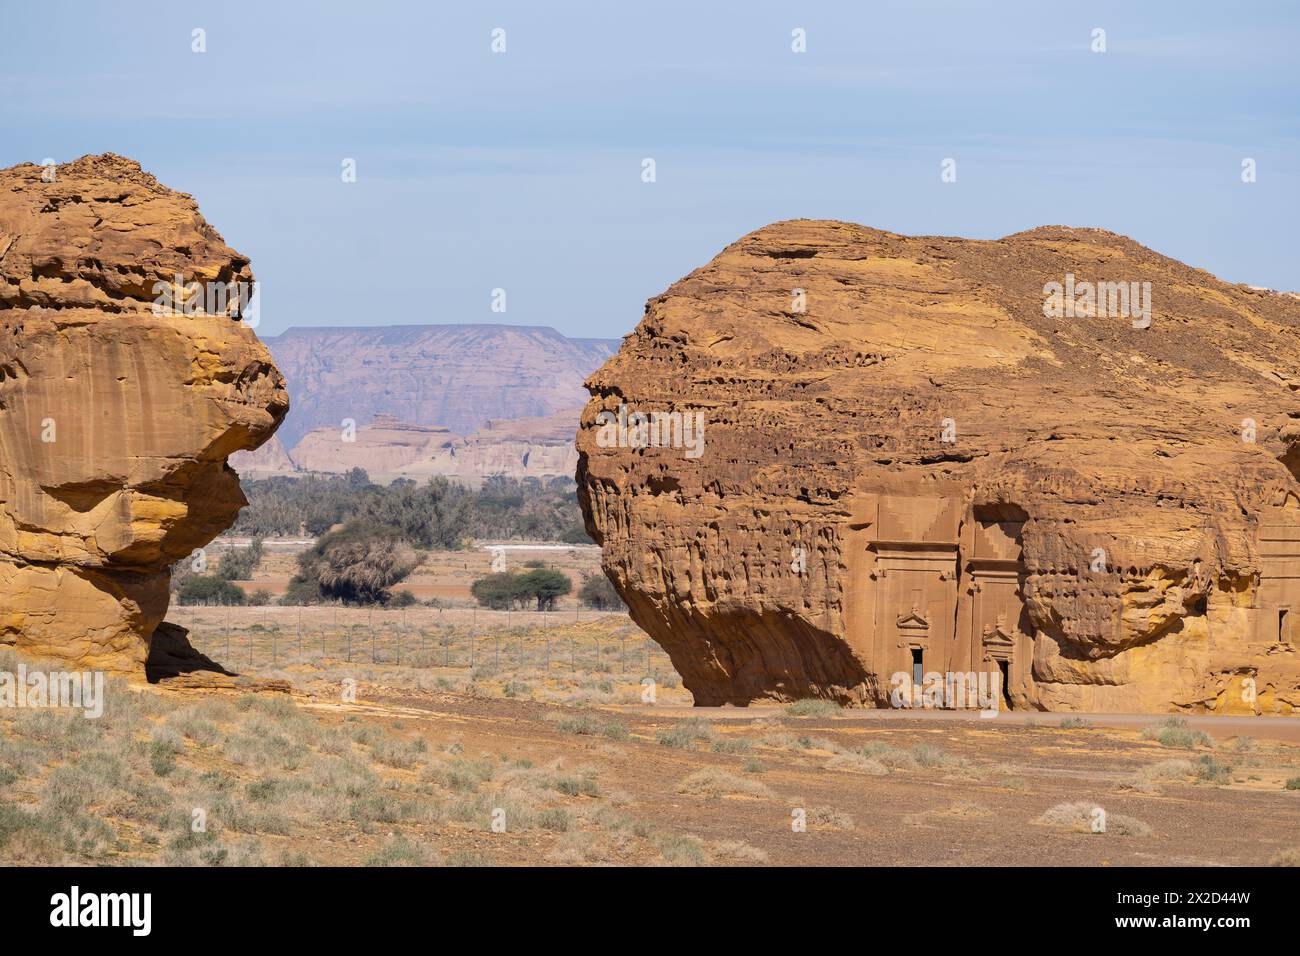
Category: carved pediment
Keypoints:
(999, 635)
(913, 620)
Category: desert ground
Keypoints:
(459, 737)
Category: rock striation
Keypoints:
(1059, 459)
(116, 416)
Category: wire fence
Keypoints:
(260, 638)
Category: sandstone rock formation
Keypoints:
(115, 422)
(919, 459)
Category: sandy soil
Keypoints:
(878, 788)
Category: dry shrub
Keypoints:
(712, 783)
(857, 763)
(1078, 817)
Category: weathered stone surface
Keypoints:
(115, 422)
(1100, 525)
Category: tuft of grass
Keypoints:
(857, 763)
(1292, 784)
(1209, 770)
(1076, 723)
(1290, 856)
(399, 851)
(577, 786)
(1146, 779)
(733, 745)
(929, 756)
(1079, 816)
(739, 851)
(714, 784)
(683, 734)
(812, 707)
(1174, 732)
(555, 819)
(588, 724)
(829, 817)
(680, 850)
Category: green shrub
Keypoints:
(1174, 732)
(238, 564)
(812, 707)
(684, 733)
(209, 589)
(1209, 770)
(592, 725)
(598, 592)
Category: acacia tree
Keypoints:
(356, 564)
(498, 591)
(598, 592)
(545, 585)
(507, 589)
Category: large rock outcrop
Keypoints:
(922, 457)
(115, 421)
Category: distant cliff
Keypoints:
(457, 377)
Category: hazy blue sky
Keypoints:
(522, 170)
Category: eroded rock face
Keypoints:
(911, 466)
(115, 422)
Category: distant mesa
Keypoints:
(115, 422)
(465, 402)
(457, 377)
(928, 456)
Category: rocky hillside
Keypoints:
(927, 456)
